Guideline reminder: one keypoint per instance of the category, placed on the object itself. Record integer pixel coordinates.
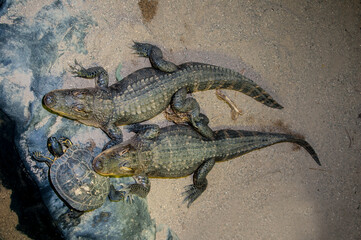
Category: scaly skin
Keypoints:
(178, 151)
(147, 92)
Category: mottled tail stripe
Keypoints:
(256, 92)
(223, 78)
(267, 139)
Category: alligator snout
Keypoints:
(49, 99)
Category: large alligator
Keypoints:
(178, 151)
(146, 93)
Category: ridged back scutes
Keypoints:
(135, 77)
(230, 133)
(195, 77)
(184, 130)
(229, 79)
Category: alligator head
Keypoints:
(120, 161)
(75, 104)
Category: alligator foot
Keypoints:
(202, 126)
(98, 73)
(155, 56)
(78, 70)
(181, 103)
(122, 194)
(200, 182)
(141, 188)
(192, 193)
(176, 117)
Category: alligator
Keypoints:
(178, 151)
(147, 92)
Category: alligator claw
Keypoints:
(192, 193)
(176, 117)
(77, 69)
(122, 194)
(142, 49)
(202, 126)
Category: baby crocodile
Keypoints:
(147, 92)
(178, 151)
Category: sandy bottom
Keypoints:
(306, 54)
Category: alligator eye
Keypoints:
(123, 151)
(124, 167)
(78, 94)
(79, 108)
(124, 164)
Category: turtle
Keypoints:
(72, 176)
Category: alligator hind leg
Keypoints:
(199, 121)
(200, 182)
(99, 73)
(155, 56)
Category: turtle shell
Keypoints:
(76, 182)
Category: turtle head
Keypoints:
(120, 161)
(72, 103)
(55, 147)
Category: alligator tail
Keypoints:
(215, 77)
(240, 142)
(250, 88)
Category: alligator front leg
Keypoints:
(199, 121)
(99, 73)
(115, 135)
(200, 182)
(155, 56)
(145, 131)
(141, 188)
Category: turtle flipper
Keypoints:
(37, 156)
(69, 219)
(66, 142)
